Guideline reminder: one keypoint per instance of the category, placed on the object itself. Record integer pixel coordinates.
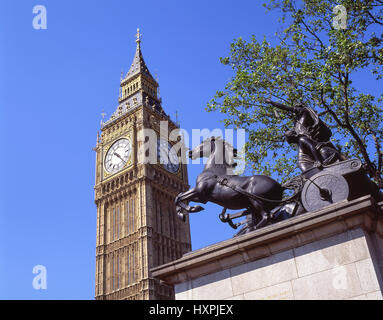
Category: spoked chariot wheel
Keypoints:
(324, 189)
(328, 186)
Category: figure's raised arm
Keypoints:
(281, 106)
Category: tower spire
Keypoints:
(138, 87)
(138, 64)
(138, 36)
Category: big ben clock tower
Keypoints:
(137, 226)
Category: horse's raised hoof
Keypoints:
(181, 216)
(196, 209)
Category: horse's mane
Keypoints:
(226, 145)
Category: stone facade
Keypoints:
(137, 226)
(334, 253)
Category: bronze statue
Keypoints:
(327, 178)
(258, 194)
(311, 135)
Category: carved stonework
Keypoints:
(137, 226)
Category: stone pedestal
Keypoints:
(334, 253)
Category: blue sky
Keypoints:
(54, 85)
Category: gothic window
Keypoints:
(132, 213)
(128, 267)
(133, 265)
(114, 224)
(127, 217)
(113, 270)
(116, 220)
(118, 273)
(118, 223)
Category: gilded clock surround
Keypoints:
(137, 226)
(106, 148)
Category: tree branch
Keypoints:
(329, 110)
(380, 153)
(313, 33)
(373, 18)
(350, 128)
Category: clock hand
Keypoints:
(118, 156)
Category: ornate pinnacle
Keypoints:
(138, 36)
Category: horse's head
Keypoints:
(224, 153)
(202, 150)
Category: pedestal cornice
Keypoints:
(309, 227)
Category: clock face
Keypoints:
(118, 155)
(168, 157)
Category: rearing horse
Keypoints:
(219, 166)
